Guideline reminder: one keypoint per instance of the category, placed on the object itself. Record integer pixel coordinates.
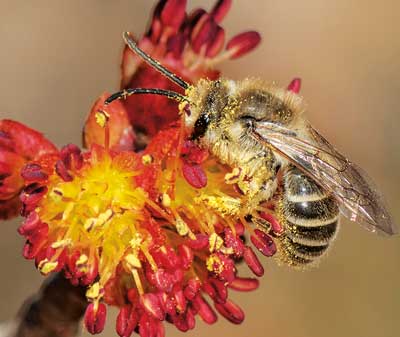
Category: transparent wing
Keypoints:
(359, 200)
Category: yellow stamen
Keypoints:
(94, 292)
(133, 261)
(81, 260)
(147, 159)
(61, 243)
(102, 118)
(215, 242)
(47, 267)
(138, 282)
(214, 264)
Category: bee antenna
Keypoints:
(156, 65)
(123, 94)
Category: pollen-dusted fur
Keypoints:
(228, 105)
(221, 116)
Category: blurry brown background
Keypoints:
(58, 56)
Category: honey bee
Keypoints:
(260, 129)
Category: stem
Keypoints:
(54, 312)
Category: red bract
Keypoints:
(120, 134)
(18, 145)
(190, 45)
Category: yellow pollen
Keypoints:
(47, 267)
(81, 260)
(136, 241)
(232, 177)
(94, 292)
(214, 264)
(102, 118)
(166, 200)
(215, 242)
(133, 261)
(147, 159)
(181, 227)
(99, 211)
(61, 243)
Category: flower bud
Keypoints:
(243, 43)
(95, 318)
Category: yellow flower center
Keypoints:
(97, 213)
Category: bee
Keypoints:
(260, 129)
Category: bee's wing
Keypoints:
(358, 198)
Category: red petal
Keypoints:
(186, 255)
(33, 172)
(192, 289)
(95, 319)
(11, 181)
(27, 142)
(121, 133)
(217, 44)
(264, 243)
(231, 311)
(220, 9)
(253, 262)
(275, 225)
(152, 305)
(244, 284)
(194, 175)
(30, 225)
(200, 243)
(203, 34)
(295, 85)
(176, 44)
(62, 171)
(173, 13)
(206, 313)
(243, 43)
(126, 321)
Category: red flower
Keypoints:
(18, 145)
(151, 232)
(140, 232)
(190, 45)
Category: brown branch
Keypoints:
(54, 312)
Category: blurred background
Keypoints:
(57, 57)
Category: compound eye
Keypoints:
(200, 126)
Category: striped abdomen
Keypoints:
(311, 219)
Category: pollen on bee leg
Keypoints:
(232, 177)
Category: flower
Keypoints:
(190, 45)
(18, 145)
(152, 232)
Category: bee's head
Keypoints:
(208, 101)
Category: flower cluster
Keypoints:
(190, 45)
(152, 232)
